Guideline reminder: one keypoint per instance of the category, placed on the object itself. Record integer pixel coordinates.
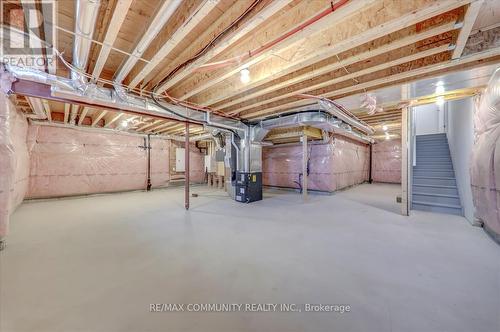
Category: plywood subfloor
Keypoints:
(97, 263)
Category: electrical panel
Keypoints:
(180, 160)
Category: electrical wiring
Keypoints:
(299, 183)
(211, 43)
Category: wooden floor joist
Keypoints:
(343, 12)
(314, 72)
(394, 16)
(268, 11)
(490, 56)
(347, 77)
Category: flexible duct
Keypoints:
(86, 12)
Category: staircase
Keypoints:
(434, 184)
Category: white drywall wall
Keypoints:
(429, 119)
(461, 138)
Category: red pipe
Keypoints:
(302, 26)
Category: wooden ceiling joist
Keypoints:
(242, 31)
(66, 112)
(343, 34)
(155, 122)
(163, 14)
(162, 125)
(117, 19)
(207, 81)
(98, 118)
(469, 19)
(352, 76)
(113, 119)
(203, 10)
(47, 109)
(315, 72)
(82, 116)
(490, 56)
(170, 128)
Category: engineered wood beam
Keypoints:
(117, 19)
(201, 12)
(371, 22)
(474, 60)
(247, 27)
(370, 53)
(469, 19)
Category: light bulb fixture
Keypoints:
(439, 93)
(440, 101)
(124, 124)
(245, 75)
(384, 127)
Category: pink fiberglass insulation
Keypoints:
(67, 161)
(282, 165)
(70, 161)
(386, 161)
(351, 161)
(160, 168)
(14, 160)
(332, 166)
(485, 164)
(196, 165)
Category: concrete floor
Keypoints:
(97, 263)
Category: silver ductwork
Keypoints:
(86, 12)
(315, 119)
(338, 111)
(90, 93)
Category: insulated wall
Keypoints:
(70, 161)
(485, 165)
(386, 161)
(14, 165)
(332, 166)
